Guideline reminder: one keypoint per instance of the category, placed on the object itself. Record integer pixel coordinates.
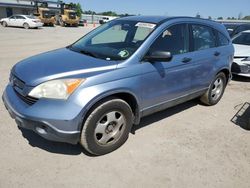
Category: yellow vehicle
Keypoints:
(68, 16)
(46, 16)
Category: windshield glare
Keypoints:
(116, 40)
(243, 39)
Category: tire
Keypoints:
(215, 91)
(4, 24)
(26, 26)
(107, 127)
(61, 22)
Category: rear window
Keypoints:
(243, 39)
(31, 17)
(203, 37)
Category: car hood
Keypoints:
(60, 63)
(241, 50)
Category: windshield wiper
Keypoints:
(85, 52)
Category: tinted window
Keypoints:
(222, 40)
(203, 37)
(243, 38)
(20, 17)
(173, 40)
(13, 17)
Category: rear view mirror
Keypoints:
(158, 56)
(125, 27)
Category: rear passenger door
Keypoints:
(204, 55)
(20, 21)
(166, 81)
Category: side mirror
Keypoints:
(158, 56)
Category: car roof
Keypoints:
(161, 19)
(247, 31)
(20, 15)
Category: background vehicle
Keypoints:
(25, 21)
(94, 90)
(42, 12)
(241, 64)
(240, 28)
(106, 19)
(82, 22)
(67, 16)
(230, 27)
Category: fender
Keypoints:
(109, 93)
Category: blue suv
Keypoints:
(96, 89)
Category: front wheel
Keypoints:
(107, 127)
(215, 91)
(26, 26)
(4, 24)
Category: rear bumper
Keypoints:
(42, 127)
(36, 24)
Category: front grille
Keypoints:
(16, 82)
(18, 86)
(27, 99)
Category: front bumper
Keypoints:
(30, 117)
(241, 69)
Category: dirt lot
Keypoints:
(190, 145)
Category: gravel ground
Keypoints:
(190, 145)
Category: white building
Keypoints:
(10, 7)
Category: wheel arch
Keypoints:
(227, 73)
(127, 96)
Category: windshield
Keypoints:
(47, 14)
(116, 40)
(72, 15)
(243, 39)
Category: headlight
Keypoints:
(56, 89)
(246, 59)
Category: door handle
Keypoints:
(186, 59)
(216, 53)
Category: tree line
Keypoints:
(79, 12)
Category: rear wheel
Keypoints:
(26, 26)
(4, 24)
(215, 91)
(107, 127)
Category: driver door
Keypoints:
(12, 21)
(163, 82)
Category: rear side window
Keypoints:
(203, 37)
(173, 40)
(20, 17)
(222, 40)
